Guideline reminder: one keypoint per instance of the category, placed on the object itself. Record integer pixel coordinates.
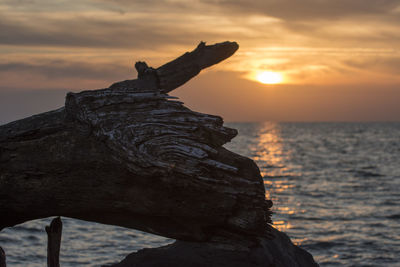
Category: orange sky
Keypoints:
(339, 59)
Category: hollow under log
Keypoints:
(131, 155)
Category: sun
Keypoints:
(269, 77)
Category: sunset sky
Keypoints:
(339, 60)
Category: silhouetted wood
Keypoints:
(133, 156)
(177, 72)
(54, 231)
(2, 258)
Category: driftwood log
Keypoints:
(128, 155)
(133, 156)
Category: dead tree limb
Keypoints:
(54, 231)
(177, 72)
(129, 155)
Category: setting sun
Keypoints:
(269, 77)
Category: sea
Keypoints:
(335, 188)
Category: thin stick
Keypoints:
(2, 258)
(54, 242)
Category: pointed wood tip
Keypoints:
(55, 226)
(213, 54)
(177, 72)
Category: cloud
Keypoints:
(66, 73)
(384, 65)
(309, 9)
(54, 69)
(123, 24)
(103, 24)
(316, 38)
(87, 31)
(320, 23)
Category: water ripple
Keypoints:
(336, 191)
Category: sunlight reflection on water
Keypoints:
(334, 186)
(270, 156)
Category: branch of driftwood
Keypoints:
(133, 156)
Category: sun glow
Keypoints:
(269, 77)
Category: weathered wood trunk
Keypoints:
(130, 155)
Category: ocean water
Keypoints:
(335, 188)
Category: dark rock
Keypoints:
(277, 252)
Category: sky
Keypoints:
(338, 60)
